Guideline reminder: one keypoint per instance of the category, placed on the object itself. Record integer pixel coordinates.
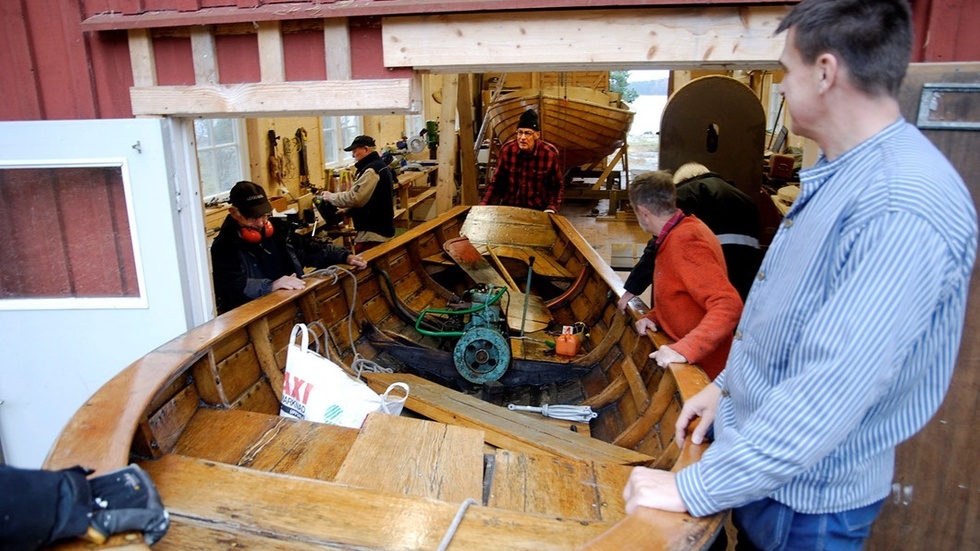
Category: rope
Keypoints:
(260, 444)
(452, 527)
(359, 364)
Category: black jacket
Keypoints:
(725, 210)
(378, 215)
(243, 271)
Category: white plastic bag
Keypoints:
(317, 389)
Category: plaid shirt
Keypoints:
(532, 180)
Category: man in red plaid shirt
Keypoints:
(527, 173)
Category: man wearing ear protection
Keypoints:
(255, 254)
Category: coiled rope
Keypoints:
(359, 364)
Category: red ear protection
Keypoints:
(252, 235)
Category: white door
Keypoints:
(60, 342)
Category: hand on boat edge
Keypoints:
(702, 405)
(665, 355)
(652, 488)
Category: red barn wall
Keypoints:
(53, 69)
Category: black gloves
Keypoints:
(39, 507)
(126, 500)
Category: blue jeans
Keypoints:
(768, 525)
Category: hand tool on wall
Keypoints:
(304, 167)
(275, 160)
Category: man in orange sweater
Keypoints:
(693, 301)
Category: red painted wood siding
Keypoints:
(63, 60)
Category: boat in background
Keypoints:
(586, 125)
(201, 413)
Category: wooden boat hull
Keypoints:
(585, 125)
(200, 414)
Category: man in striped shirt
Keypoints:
(528, 173)
(848, 339)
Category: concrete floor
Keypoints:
(618, 239)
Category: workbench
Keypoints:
(413, 190)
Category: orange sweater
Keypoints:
(693, 301)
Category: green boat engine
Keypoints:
(482, 353)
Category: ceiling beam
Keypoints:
(320, 98)
(568, 40)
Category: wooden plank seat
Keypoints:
(556, 486)
(503, 428)
(214, 504)
(415, 457)
(267, 442)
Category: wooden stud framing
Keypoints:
(272, 62)
(205, 56)
(141, 58)
(336, 40)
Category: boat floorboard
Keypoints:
(414, 457)
(557, 486)
(503, 428)
(267, 442)
(241, 508)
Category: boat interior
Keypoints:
(202, 412)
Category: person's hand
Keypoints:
(356, 261)
(549, 211)
(704, 404)
(666, 355)
(652, 488)
(327, 196)
(288, 282)
(624, 300)
(483, 203)
(645, 324)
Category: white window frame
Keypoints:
(349, 126)
(238, 142)
(88, 303)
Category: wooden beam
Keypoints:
(501, 427)
(446, 180)
(639, 38)
(336, 40)
(205, 57)
(272, 62)
(467, 157)
(321, 98)
(141, 58)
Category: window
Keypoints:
(221, 154)
(338, 133)
(81, 252)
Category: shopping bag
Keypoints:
(317, 389)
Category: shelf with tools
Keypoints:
(413, 192)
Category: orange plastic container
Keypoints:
(566, 344)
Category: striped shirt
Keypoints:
(848, 338)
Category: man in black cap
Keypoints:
(527, 172)
(370, 201)
(255, 254)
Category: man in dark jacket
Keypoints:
(370, 201)
(254, 254)
(730, 213)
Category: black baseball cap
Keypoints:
(250, 199)
(360, 141)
